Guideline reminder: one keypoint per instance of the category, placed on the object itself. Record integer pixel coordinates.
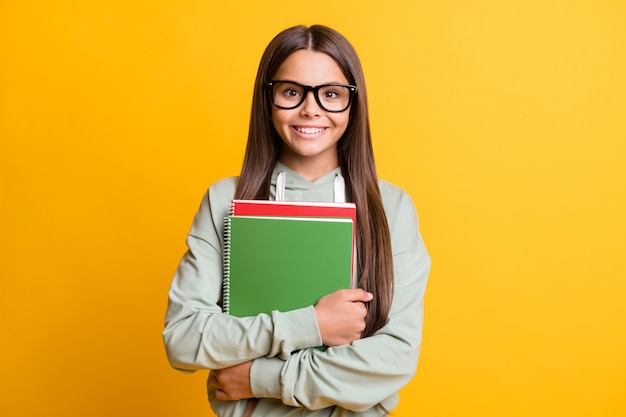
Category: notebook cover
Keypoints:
(284, 263)
(292, 208)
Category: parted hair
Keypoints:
(355, 154)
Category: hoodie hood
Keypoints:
(298, 188)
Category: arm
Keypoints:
(362, 374)
(341, 319)
(197, 334)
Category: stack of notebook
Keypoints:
(282, 255)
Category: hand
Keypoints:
(341, 316)
(232, 383)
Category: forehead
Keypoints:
(310, 68)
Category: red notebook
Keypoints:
(297, 209)
(292, 208)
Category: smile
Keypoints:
(310, 130)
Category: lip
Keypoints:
(309, 132)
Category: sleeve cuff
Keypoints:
(265, 377)
(294, 330)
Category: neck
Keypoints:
(313, 166)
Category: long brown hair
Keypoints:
(356, 159)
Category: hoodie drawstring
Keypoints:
(339, 187)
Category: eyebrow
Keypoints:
(308, 85)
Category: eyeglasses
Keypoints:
(333, 98)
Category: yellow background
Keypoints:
(505, 120)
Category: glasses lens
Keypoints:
(287, 95)
(334, 97)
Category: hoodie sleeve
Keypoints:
(197, 334)
(368, 371)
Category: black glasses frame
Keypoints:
(352, 89)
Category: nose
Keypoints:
(310, 106)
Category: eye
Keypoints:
(331, 94)
(290, 91)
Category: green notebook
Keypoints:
(284, 263)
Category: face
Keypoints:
(309, 133)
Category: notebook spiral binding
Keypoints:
(226, 267)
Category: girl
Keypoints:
(309, 120)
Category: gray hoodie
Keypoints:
(289, 374)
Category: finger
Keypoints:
(220, 394)
(358, 294)
(213, 381)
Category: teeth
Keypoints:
(310, 130)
